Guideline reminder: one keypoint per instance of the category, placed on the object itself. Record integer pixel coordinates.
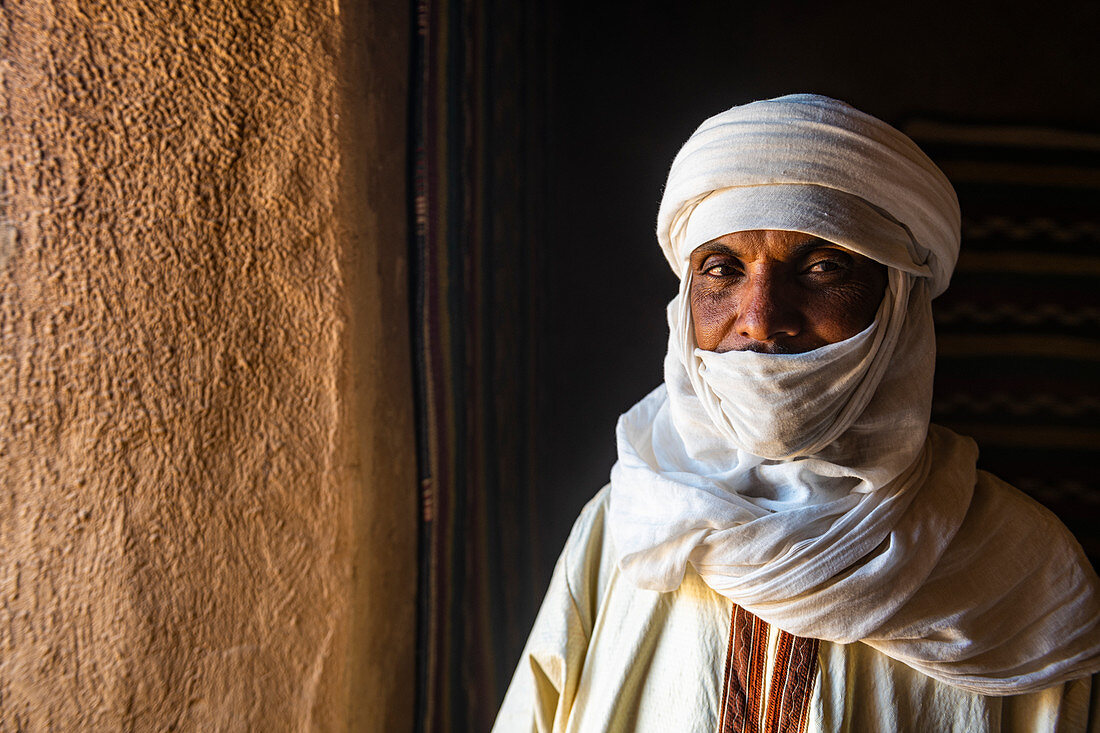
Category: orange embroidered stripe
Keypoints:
(793, 676)
(746, 657)
(759, 663)
(798, 687)
(779, 679)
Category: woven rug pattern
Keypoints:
(1018, 331)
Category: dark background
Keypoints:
(546, 132)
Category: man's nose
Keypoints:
(767, 311)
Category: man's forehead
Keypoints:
(777, 244)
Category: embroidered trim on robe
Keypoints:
(769, 678)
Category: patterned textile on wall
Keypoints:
(477, 110)
(1018, 331)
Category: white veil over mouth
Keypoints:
(809, 488)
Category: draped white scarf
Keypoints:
(809, 488)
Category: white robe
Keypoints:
(605, 655)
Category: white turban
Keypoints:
(811, 164)
(808, 488)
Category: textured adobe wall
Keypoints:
(197, 493)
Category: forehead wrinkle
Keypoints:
(809, 244)
(713, 247)
(815, 243)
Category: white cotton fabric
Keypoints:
(808, 488)
(605, 655)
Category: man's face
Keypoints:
(780, 292)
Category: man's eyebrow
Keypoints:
(801, 249)
(710, 248)
(814, 243)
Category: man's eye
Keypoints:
(720, 270)
(824, 266)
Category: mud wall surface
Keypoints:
(207, 493)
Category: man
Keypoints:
(786, 544)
